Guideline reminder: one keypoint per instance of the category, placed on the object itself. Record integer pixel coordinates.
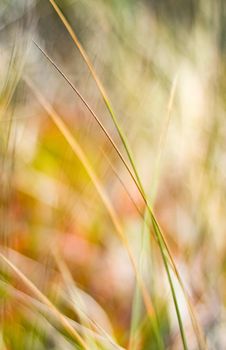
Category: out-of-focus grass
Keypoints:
(67, 279)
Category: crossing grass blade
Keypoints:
(58, 121)
(42, 298)
(163, 246)
(46, 311)
(79, 305)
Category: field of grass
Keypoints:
(112, 174)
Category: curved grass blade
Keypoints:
(67, 326)
(77, 301)
(158, 232)
(45, 310)
(87, 166)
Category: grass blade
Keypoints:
(87, 166)
(41, 297)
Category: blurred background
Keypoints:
(162, 63)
